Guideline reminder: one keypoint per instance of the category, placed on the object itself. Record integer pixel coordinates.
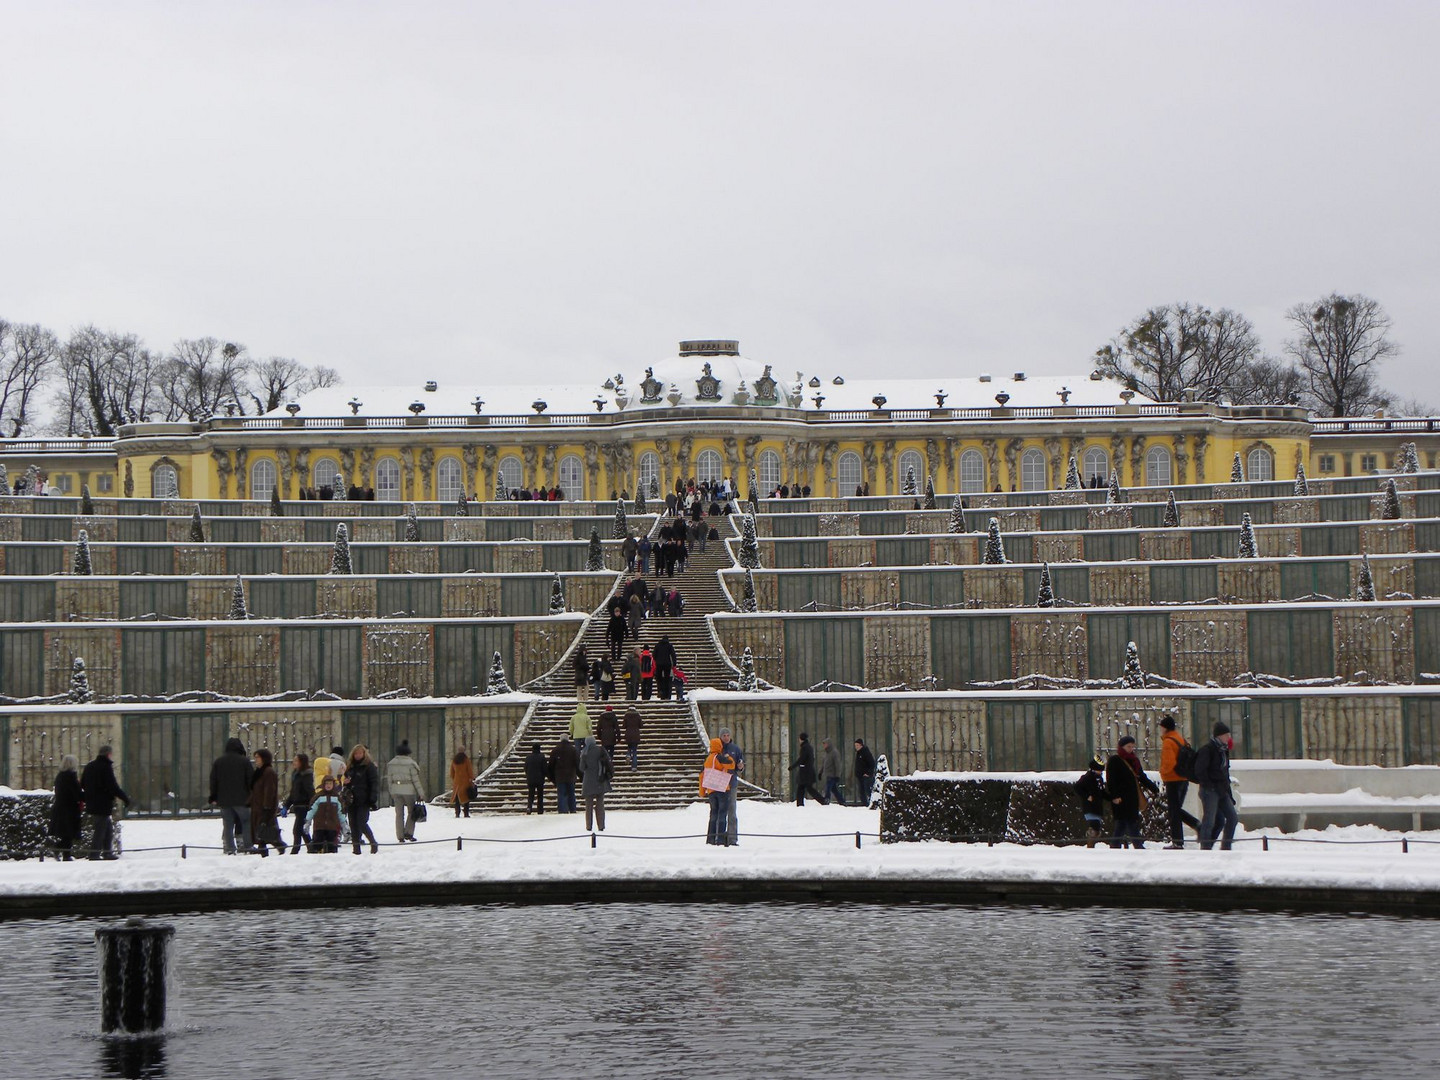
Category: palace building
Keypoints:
(709, 412)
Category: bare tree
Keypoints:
(1412, 406)
(1269, 381)
(277, 379)
(108, 379)
(1339, 344)
(28, 355)
(199, 375)
(1181, 345)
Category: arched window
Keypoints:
(768, 472)
(511, 472)
(1157, 466)
(449, 479)
(972, 471)
(262, 479)
(572, 477)
(324, 473)
(649, 469)
(1259, 465)
(912, 473)
(1032, 470)
(165, 483)
(847, 474)
(709, 466)
(1096, 465)
(387, 480)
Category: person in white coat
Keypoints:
(402, 779)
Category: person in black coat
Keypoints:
(864, 771)
(1212, 771)
(536, 766)
(362, 780)
(230, 779)
(615, 631)
(1093, 800)
(1124, 779)
(67, 806)
(804, 770)
(100, 789)
(297, 802)
(664, 654)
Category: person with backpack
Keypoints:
(596, 770)
(1093, 798)
(1127, 783)
(647, 672)
(1212, 773)
(1177, 769)
(323, 818)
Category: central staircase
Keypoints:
(671, 748)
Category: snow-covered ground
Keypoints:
(777, 841)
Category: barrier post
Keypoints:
(1405, 845)
(1264, 843)
(182, 851)
(459, 843)
(857, 840)
(592, 839)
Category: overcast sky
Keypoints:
(490, 191)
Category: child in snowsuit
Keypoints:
(1093, 798)
(324, 818)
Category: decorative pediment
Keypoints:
(707, 387)
(651, 388)
(767, 390)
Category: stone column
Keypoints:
(470, 455)
(286, 470)
(1201, 439)
(222, 470)
(1137, 460)
(1053, 449)
(427, 473)
(1117, 457)
(887, 458)
(667, 465)
(487, 476)
(992, 464)
(553, 478)
(242, 472)
(302, 467)
(830, 474)
(367, 468)
(1012, 452)
(531, 455)
(932, 465)
(870, 461)
(347, 470)
(1182, 459)
(592, 470)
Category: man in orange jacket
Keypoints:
(1176, 784)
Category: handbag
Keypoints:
(715, 779)
(421, 814)
(471, 790)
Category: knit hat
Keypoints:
(403, 750)
(1221, 728)
(1126, 740)
(1096, 763)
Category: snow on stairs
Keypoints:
(670, 758)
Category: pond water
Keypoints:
(762, 990)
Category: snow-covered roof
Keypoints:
(739, 381)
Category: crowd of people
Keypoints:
(829, 771)
(1121, 785)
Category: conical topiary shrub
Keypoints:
(1072, 476)
(340, 556)
(908, 488)
(1045, 595)
(1302, 485)
(557, 596)
(87, 504)
(595, 560)
(276, 509)
(462, 505)
(1247, 548)
(1390, 504)
(1112, 493)
(500, 493)
(79, 692)
(1237, 470)
(994, 547)
(957, 516)
(640, 498)
(748, 682)
(747, 600)
(654, 487)
(929, 503)
(81, 563)
(197, 528)
(1365, 587)
(755, 487)
(877, 788)
(1172, 512)
(621, 526)
(412, 527)
(497, 683)
(1133, 677)
(238, 610)
(749, 546)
